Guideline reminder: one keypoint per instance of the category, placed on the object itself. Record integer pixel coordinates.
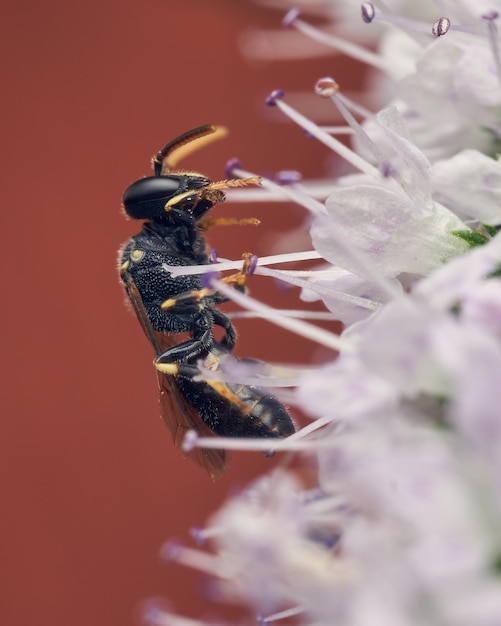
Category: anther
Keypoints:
(252, 265)
(198, 535)
(368, 12)
(207, 279)
(441, 27)
(326, 87)
(171, 550)
(290, 17)
(189, 441)
(275, 95)
(231, 166)
(288, 177)
(491, 16)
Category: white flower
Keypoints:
(470, 183)
(448, 103)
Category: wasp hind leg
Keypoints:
(189, 371)
(230, 337)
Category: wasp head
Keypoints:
(154, 197)
(168, 194)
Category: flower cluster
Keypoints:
(402, 523)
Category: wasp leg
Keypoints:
(239, 279)
(202, 340)
(187, 370)
(230, 336)
(186, 302)
(184, 351)
(189, 301)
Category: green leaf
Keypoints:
(472, 237)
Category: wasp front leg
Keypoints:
(239, 279)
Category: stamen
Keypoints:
(275, 95)
(322, 291)
(292, 192)
(267, 445)
(196, 559)
(273, 192)
(190, 441)
(156, 616)
(198, 535)
(276, 98)
(490, 18)
(410, 26)
(231, 166)
(477, 29)
(288, 177)
(305, 315)
(350, 49)
(202, 535)
(355, 107)
(337, 130)
(298, 441)
(328, 88)
(290, 17)
(319, 335)
(186, 270)
(269, 619)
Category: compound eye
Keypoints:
(147, 197)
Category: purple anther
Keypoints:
(171, 550)
(253, 265)
(198, 535)
(207, 279)
(231, 166)
(290, 17)
(275, 95)
(491, 16)
(386, 169)
(368, 12)
(288, 177)
(441, 26)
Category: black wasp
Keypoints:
(178, 315)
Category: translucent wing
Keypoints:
(178, 415)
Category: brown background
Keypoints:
(91, 484)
